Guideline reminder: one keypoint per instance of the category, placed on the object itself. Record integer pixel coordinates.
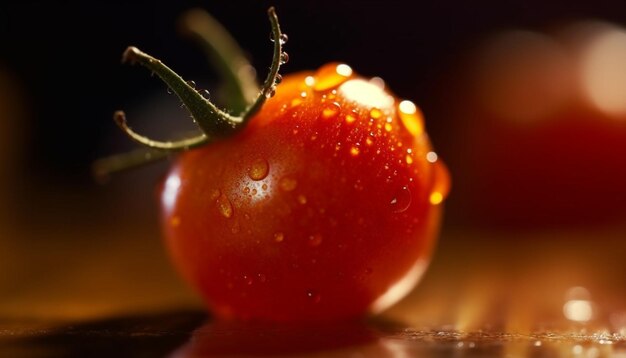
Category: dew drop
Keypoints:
(331, 110)
(378, 82)
(369, 141)
(192, 84)
(259, 169)
(354, 151)
(296, 102)
(409, 159)
(206, 94)
(375, 113)
(388, 127)
(331, 76)
(169, 91)
(411, 118)
(287, 184)
(401, 200)
(302, 199)
(283, 39)
(351, 117)
(284, 58)
(313, 296)
(224, 206)
(309, 81)
(279, 237)
(175, 221)
(431, 157)
(436, 198)
(278, 79)
(270, 92)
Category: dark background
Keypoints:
(65, 56)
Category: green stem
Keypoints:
(104, 167)
(189, 143)
(209, 118)
(269, 86)
(225, 55)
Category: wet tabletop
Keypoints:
(539, 294)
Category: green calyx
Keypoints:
(212, 121)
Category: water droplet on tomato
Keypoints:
(279, 237)
(378, 82)
(315, 240)
(388, 127)
(287, 184)
(175, 221)
(302, 199)
(313, 296)
(331, 110)
(431, 157)
(401, 200)
(259, 169)
(331, 76)
(351, 117)
(375, 113)
(354, 151)
(369, 141)
(296, 102)
(309, 81)
(224, 206)
(411, 118)
(409, 159)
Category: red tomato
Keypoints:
(538, 150)
(325, 206)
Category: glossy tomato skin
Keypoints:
(314, 211)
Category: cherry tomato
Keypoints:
(325, 206)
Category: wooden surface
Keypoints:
(534, 294)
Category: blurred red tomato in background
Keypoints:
(543, 130)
